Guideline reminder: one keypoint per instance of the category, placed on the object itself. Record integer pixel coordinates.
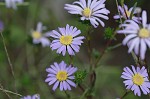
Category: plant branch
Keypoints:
(5, 92)
(8, 91)
(9, 61)
(22, 4)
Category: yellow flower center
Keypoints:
(128, 13)
(138, 79)
(144, 33)
(61, 75)
(87, 12)
(36, 35)
(66, 40)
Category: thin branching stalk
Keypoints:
(8, 91)
(68, 96)
(124, 95)
(89, 46)
(5, 92)
(22, 4)
(9, 61)
(71, 60)
(81, 87)
(102, 54)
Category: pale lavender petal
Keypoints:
(127, 38)
(65, 85)
(49, 79)
(55, 85)
(52, 81)
(71, 72)
(144, 18)
(51, 71)
(70, 51)
(71, 83)
(61, 86)
(71, 77)
(142, 50)
(68, 86)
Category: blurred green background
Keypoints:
(30, 61)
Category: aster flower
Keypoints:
(126, 13)
(61, 75)
(91, 10)
(12, 3)
(66, 40)
(136, 80)
(36, 96)
(38, 37)
(137, 35)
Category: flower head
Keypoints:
(126, 13)
(12, 3)
(91, 10)
(38, 37)
(136, 79)
(137, 35)
(36, 96)
(61, 75)
(66, 40)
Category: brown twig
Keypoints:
(82, 89)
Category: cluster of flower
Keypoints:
(137, 38)
(65, 40)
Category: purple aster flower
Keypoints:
(61, 75)
(137, 35)
(36, 96)
(93, 10)
(126, 13)
(136, 80)
(38, 37)
(66, 40)
(12, 3)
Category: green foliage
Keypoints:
(80, 76)
(95, 53)
(109, 33)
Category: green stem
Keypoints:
(113, 47)
(86, 91)
(102, 54)
(68, 96)
(89, 47)
(7, 91)
(9, 61)
(124, 95)
(71, 60)
(22, 4)
(82, 89)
